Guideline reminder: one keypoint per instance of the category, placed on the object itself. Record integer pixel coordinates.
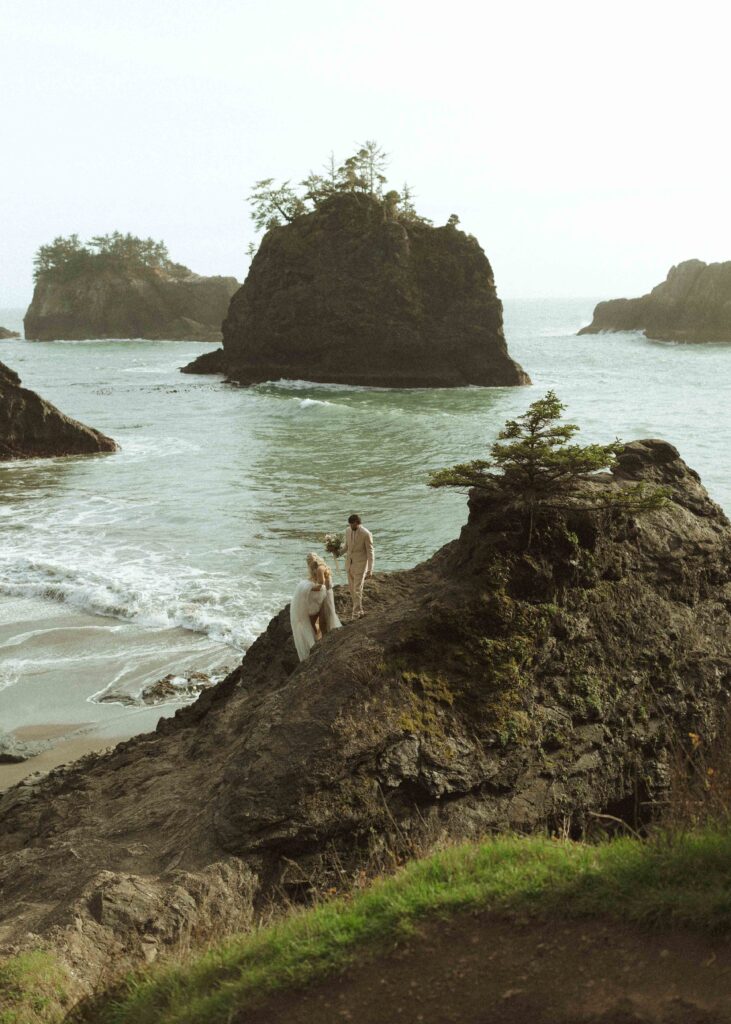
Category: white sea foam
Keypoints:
(147, 594)
(308, 403)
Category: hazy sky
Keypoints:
(586, 145)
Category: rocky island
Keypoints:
(5, 334)
(30, 427)
(492, 687)
(120, 286)
(692, 304)
(351, 286)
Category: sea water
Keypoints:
(172, 554)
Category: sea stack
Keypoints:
(31, 427)
(353, 292)
(119, 286)
(692, 304)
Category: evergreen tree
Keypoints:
(538, 470)
(271, 204)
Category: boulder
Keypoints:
(102, 301)
(489, 688)
(692, 304)
(14, 751)
(30, 427)
(348, 295)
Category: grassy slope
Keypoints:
(686, 881)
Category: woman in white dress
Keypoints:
(312, 611)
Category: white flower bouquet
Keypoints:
(335, 546)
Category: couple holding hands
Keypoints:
(312, 611)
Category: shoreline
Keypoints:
(71, 746)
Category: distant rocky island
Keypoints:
(5, 334)
(121, 286)
(351, 286)
(692, 304)
(30, 427)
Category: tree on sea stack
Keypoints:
(538, 470)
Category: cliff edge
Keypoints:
(30, 427)
(692, 304)
(488, 688)
(349, 293)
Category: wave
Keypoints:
(310, 385)
(9, 675)
(143, 596)
(308, 403)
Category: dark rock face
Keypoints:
(123, 303)
(485, 689)
(343, 295)
(5, 334)
(32, 428)
(693, 304)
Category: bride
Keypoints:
(312, 611)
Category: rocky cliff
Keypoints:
(488, 688)
(692, 304)
(347, 294)
(31, 428)
(5, 334)
(128, 302)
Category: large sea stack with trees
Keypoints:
(350, 285)
(121, 286)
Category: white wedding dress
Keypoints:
(307, 601)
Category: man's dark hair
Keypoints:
(354, 519)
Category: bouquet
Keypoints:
(335, 546)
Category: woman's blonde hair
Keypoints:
(314, 562)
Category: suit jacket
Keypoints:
(359, 548)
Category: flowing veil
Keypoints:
(302, 632)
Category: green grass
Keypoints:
(33, 989)
(684, 881)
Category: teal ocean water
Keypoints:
(172, 555)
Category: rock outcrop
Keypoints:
(692, 304)
(30, 427)
(488, 688)
(5, 334)
(128, 302)
(346, 294)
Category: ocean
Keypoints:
(171, 556)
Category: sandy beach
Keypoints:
(56, 666)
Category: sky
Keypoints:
(585, 145)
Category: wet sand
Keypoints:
(56, 663)
(70, 747)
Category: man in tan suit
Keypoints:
(358, 562)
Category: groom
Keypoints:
(358, 562)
